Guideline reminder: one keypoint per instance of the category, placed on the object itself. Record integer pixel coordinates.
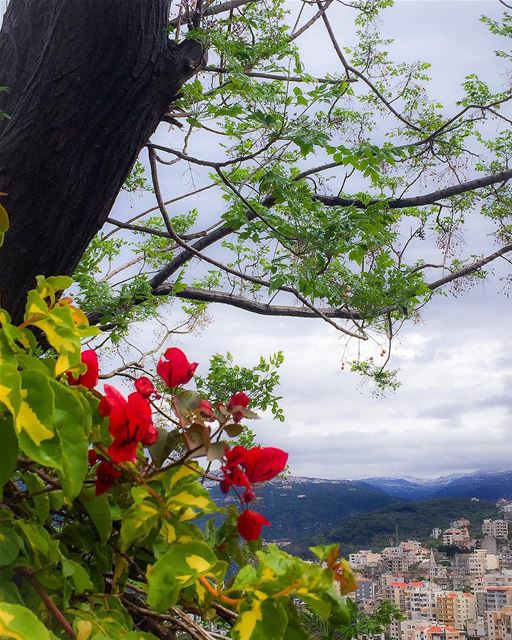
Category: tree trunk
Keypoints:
(89, 81)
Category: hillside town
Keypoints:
(456, 586)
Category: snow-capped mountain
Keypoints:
(488, 485)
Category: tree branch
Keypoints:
(400, 203)
(50, 604)
(419, 201)
(276, 76)
(260, 308)
(350, 69)
(219, 8)
(209, 163)
(475, 266)
(311, 21)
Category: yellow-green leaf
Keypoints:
(137, 523)
(261, 619)
(177, 569)
(35, 415)
(10, 387)
(10, 545)
(4, 224)
(19, 623)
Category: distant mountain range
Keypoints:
(485, 485)
(297, 507)
(304, 508)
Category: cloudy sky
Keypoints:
(453, 411)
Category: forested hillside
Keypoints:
(299, 507)
(414, 520)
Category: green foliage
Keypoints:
(313, 173)
(85, 561)
(360, 625)
(137, 180)
(225, 378)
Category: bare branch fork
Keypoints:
(225, 268)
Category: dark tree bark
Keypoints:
(89, 81)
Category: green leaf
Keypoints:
(45, 550)
(178, 568)
(8, 450)
(78, 574)
(166, 443)
(10, 387)
(185, 495)
(41, 501)
(261, 620)
(9, 592)
(70, 423)
(131, 635)
(10, 545)
(62, 325)
(137, 523)
(19, 623)
(98, 508)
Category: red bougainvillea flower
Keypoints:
(140, 418)
(259, 463)
(145, 387)
(88, 379)
(93, 457)
(243, 466)
(206, 410)
(238, 401)
(174, 368)
(248, 495)
(106, 475)
(130, 422)
(264, 463)
(113, 405)
(235, 456)
(250, 523)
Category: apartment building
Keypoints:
(492, 599)
(422, 603)
(411, 630)
(498, 579)
(365, 590)
(455, 537)
(455, 608)
(499, 624)
(496, 528)
(364, 558)
(480, 562)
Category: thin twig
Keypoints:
(50, 604)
